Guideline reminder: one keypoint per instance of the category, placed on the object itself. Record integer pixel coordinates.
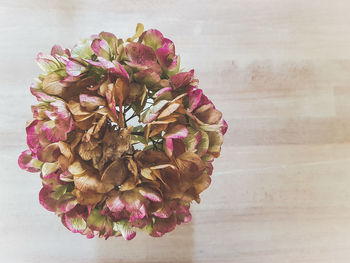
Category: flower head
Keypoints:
(101, 175)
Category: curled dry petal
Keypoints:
(178, 131)
(100, 48)
(194, 99)
(150, 194)
(90, 182)
(208, 114)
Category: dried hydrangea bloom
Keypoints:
(102, 175)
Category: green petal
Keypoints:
(48, 168)
(96, 221)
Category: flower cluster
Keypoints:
(101, 175)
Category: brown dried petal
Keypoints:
(91, 102)
(76, 109)
(106, 111)
(190, 164)
(121, 91)
(148, 174)
(132, 167)
(76, 140)
(208, 114)
(201, 183)
(90, 149)
(158, 128)
(91, 182)
(135, 92)
(87, 198)
(128, 185)
(85, 123)
(76, 168)
(99, 125)
(115, 173)
(168, 110)
(52, 84)
(150, 158)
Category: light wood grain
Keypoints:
(279, 71)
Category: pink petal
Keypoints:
(152, 38)
(194, 99)
(183, 214)
(224, 127)
(100, 47)
(125, 230)
(74, 68)
(162, 91)
(150, 194)
(204, 101)
(26, 162)
(113, 67)
(178, 131)
(32, 137)
(166, 58)
(148, 77)
(40, 95)
(46, 201)
(115, 204)
(182, 79)
(139, 53)
(91, 102)
(138, 213)
(111, 101)
(76, 223)
(60, 110)
(68, 205)
(52, 133)
(94, 63)
(58, 50)
(162, 226)
(47, 62)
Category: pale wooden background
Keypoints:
(279, 71)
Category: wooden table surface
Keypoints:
(279, 71)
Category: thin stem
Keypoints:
(154, 143)
(127, 108)
(132, 116)
(138, 133)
